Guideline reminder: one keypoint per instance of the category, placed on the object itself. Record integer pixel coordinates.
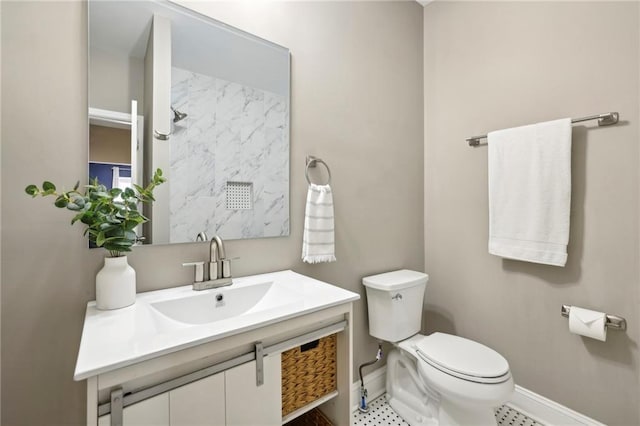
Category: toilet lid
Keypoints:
(463, 358)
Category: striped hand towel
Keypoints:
(317, 238)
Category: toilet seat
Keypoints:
(462, 358)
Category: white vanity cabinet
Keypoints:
(199, 403)
(251, 405)
(229, 395)
(150, 412)
(142, 367)
(229, 398)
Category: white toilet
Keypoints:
(438, 379)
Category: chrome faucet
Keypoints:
(217, 259)
(218, 273)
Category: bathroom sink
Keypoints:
(169, 320)
(221, 304)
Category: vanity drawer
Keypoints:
(308, 373)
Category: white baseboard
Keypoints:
(537, 407)
(374, 382)
(546, 411)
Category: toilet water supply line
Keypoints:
(363, 407)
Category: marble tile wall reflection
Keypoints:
(232, 133)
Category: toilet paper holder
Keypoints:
(613, 322)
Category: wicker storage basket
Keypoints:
(308, 373)
(311, 418)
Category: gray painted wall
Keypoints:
(496, 65)
(356, 102)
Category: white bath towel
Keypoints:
(318, 236)
(530, 192)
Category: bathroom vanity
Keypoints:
(179, 357)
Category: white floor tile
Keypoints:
(381, 414)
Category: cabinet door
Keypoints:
(150, 412)
(198, 403)
(251, 405)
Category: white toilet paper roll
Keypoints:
(586, 322)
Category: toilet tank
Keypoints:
(394, 301)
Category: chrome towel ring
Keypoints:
(311, 162)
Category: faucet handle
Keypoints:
(199, 271)
(226, 266)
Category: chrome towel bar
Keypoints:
(606, 119)
(612, 322)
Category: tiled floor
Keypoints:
(507, 416)
(381, 414)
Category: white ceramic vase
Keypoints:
(115, 284)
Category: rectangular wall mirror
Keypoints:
(207, 103)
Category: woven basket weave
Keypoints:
(311, 418)
(308, 375)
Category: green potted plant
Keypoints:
(110, 217)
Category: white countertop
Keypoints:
(122, 337)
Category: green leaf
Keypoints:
(100, 239)
(48, 186)
(88, 218)
(114, 192)
(120, 242)
(79, 201)
(129, 225)
(61, 202)
(111, 240)
(146, 197)
(77, 218)
(76, 186)
(106, 227)
(32, 190)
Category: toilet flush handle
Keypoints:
(397, 296)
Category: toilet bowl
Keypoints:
(439, 379)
